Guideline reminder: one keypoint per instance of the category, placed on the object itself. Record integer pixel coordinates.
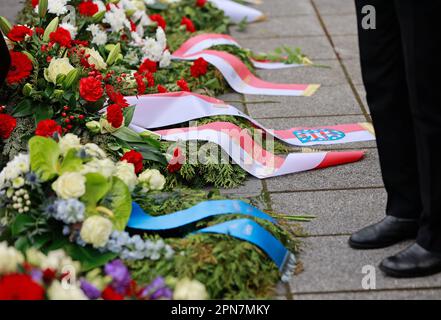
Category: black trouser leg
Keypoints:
(383, 70)
(421, 30)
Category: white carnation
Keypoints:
(57, 7)
(117, 19)
(152, 50)
(99, 37)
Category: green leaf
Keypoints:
(97, 186)
(127, 134)
(149, 152)
(44, 154)
(71, 162)
(21, 223)
(43, 112)
(120, 203)
(23, 109)
(128, 115)
(89, 257)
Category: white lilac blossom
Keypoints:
(116, 18)
(99, 37)
(135, 248)
(68, 211)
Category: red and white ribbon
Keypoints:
(205, 41)
(243, 150)
(238, 12)
(166, 109)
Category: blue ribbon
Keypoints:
(141, 220)
(244, 229)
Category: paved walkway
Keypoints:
(343, 198)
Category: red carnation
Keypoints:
(47, 128)
(134, 157)
(20, 287)
(199, 68)
(91, 89)
(159, 20)
(188, 24)
(116, 97)
(39, 31)
(115, 115)
(18, 33)
(201, 3)
(183, 85)
(148, 65)
(7, 125)
(140, 83)
(161, 89)
(87, 8)
(20, 68)
(110, 294)
(61, 36)
(35, 3)
(150, 79)
(176, 162)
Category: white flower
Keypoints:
(35, 257)
(10, 258)
(57, 260)
(126, 172)
(56, 67)
(95, 59)
(165, 59)
(18, 182)
(152, 49)
(105, 167)
(151, 179)
(92, 150)
(69, 292)
(96, 231)
(57, 7)
(71, 28)
(187, 289)
(161, 38)
(17, 166)
(99, 37)
(116, 17)
(70, 185)
(100, 4)
(69, 141)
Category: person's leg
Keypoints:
(420, 27)
(383, 71)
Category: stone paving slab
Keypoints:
(251, 188)
(316, 48)
(335, 100)
(233, 99)
(288, 123)
(335, 7)
(330, 265)
(354, 69)
(337, 212)
(331, 75)
(426, 294)
(276, 28)
(341, 24)
(282, 8)
(346, 46)
(361, 174)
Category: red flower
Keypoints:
(35, 3)
(199, 67)
(159, 20)
(20, 287)
(201, 3)
(7, 125)
(161, 89)
(140, 83)
(49, 275)
(148, 65)
(116, 97)
(183, 85)
(18, 33)
(115, 115)
(39, 31)
(188, 24)
(91, 89)
(150, 79)
(176, 162)
(20, 68)
(134, 157)
(61, 36)
(87, 8)
(47, 128)
(110, 294)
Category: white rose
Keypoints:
(96, 231)
(95, 59)
(10, 258)
(126, 172)
(69, 141)
(92, 150)
(59, 292)
(57, 67)
(70, 185)
(151, 179)
(187, 289)
(105, 167)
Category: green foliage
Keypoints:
(120, 202)
(44, 154)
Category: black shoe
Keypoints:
(415, 261)
(387, 232)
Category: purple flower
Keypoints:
(36, 275)
(157, 290)
(90, 290)
(119, 274)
